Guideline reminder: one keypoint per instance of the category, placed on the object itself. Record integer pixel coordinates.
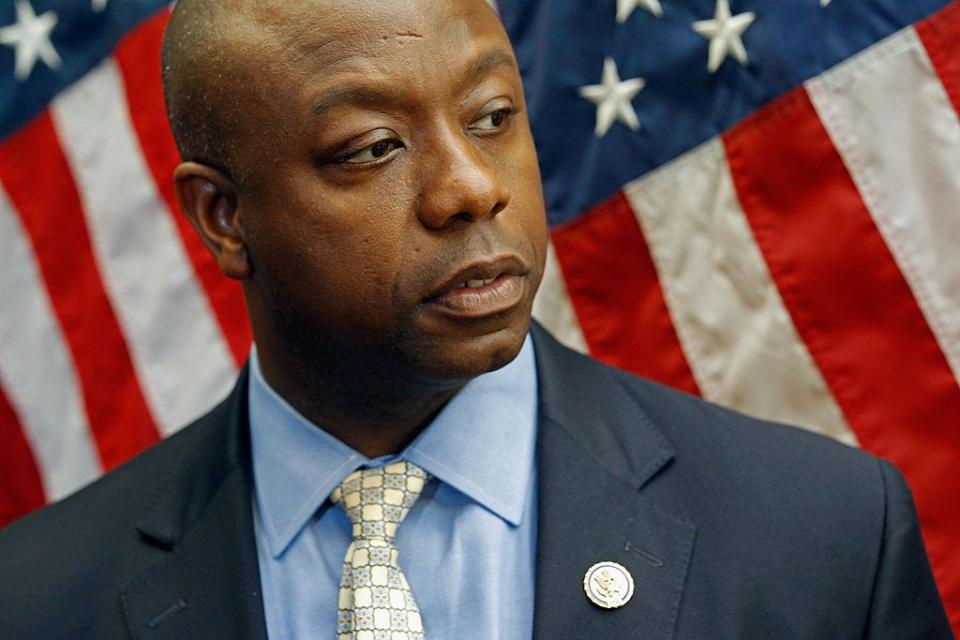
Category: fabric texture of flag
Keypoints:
(754, 202)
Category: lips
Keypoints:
(480, 289)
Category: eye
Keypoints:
(495, 120)
(376, 151)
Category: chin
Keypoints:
(466, 355)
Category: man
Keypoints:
(401, 459)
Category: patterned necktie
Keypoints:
(375, 600)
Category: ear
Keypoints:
(208, 198)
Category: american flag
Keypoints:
(756, 202)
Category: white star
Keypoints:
(613, 98)
(31, 38)
(824, 3)
(99, 5)
(724, 33)
(626, 7)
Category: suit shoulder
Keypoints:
(718, 446)
(53, 554)
(778, 514)
(123, 490)
(689, 420)
(693, 425)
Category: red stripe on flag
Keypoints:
(615, 291)
(22, 488)
(940, 34)
(52, 214)
(855, 311)
(138, 57)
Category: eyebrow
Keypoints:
(483, 65)
(365, 95)
(352, 94)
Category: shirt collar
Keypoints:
(483, 444)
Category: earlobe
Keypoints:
(209, 200)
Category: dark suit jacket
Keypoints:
(731, 528)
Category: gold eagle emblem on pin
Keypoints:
(608, 585)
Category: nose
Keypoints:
(458, 183)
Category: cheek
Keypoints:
(357, 265)
(527, 201)
(341, 286)
(372, 268)
(333, 267)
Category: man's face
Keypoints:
(387, 162)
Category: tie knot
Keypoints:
(377, 500)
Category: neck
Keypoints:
(372, 415)
(381, 435)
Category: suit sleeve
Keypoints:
(905, 602)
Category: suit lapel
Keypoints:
(597, 449)
(209, 584)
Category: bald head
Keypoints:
(200, 73)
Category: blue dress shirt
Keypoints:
(468, 545)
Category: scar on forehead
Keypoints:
(403, 36)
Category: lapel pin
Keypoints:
(608, 585)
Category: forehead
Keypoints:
(379, 36)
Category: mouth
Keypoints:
(481, 289)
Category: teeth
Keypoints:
(476, 284)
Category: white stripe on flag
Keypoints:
(36, 369)
(178, 350)
(892, 122)
(738, 337)
(552, 306)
